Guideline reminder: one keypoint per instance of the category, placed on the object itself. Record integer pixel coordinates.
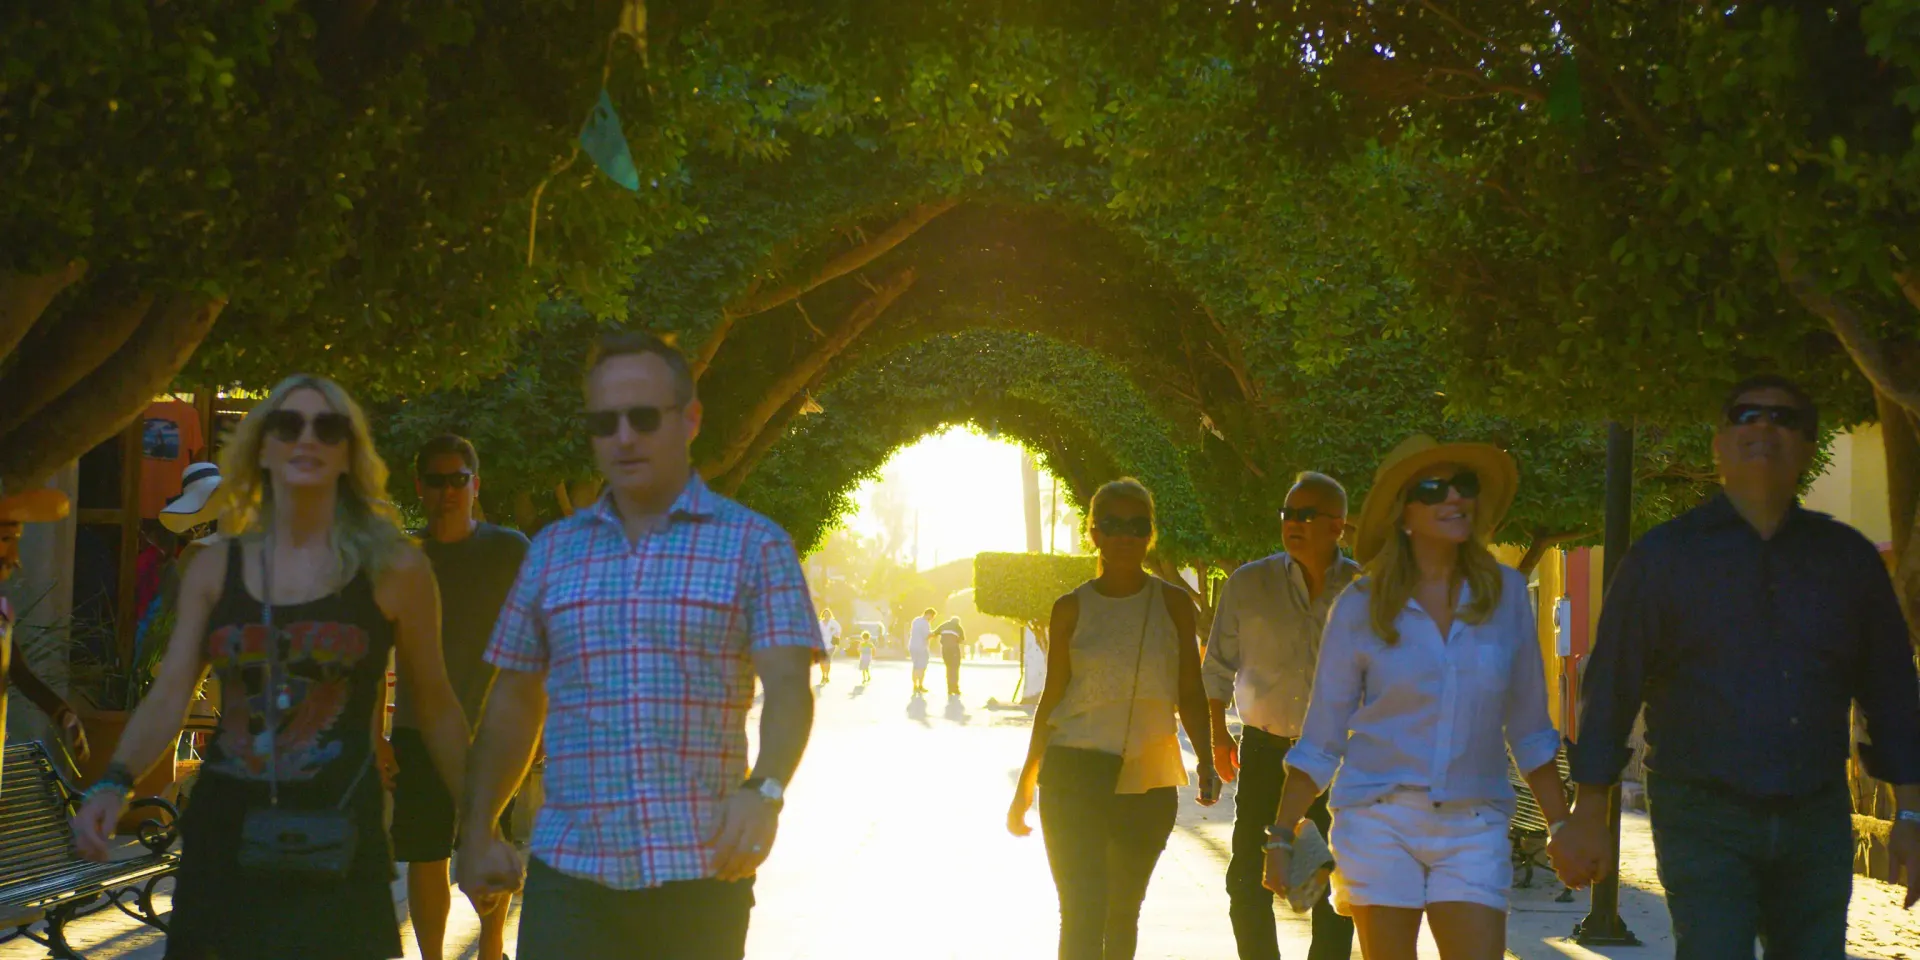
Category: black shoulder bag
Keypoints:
(1097, 771)
(316, 844)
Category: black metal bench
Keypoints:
(43, 879)
(1528, 831)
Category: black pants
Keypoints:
(950, 653)
(1263, 774)
(1102, 848)
(1736, 869)
(567, 918)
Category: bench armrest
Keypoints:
(156, 833)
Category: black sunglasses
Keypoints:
(1141, 527)
(1786, 418)
(440, 481)
(288, 426)
(1433, 490)
(606, 423)
(1306, 514)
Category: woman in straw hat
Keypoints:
(284, 849)
(1124, 658)
(1429, 673)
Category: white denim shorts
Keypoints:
(1404, 850)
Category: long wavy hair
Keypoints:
(366, 527)
(1393, 572)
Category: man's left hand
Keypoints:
(1903, 851)
(748, 823)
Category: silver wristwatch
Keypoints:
(769, 789)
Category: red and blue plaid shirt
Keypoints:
(648, 652)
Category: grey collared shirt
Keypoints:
(1266, 640)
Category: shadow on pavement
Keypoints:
(917, 710)
(957, 711)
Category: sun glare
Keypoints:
(958, 493)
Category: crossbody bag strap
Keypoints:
(1133, 695)
(273, 668)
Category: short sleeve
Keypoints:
(520, 634)
(779, 606)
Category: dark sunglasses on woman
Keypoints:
(606, 423)
(1433, 490)
(1141, 527)
(441, 481)
(288, 426)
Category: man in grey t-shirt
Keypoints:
(476, 564)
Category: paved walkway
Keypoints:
(894, 847)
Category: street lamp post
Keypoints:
(1603, 926)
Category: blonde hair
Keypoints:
(1125, 488)
(366, 527)
(1393, 572)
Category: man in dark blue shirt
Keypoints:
(1747, 627)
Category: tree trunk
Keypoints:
(729, 483)
(54, 356)
(524, 515)
(110, 397)
(1542, 542)
(783, 390)
(24, 297)
(1900, 434)
(584, 492)
(759, 301)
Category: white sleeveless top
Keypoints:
(1114, 637)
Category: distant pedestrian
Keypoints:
(866, 657)
(475, 564)
(1429, 676)
(1265, 644)
(829, 638)
(1104, 754)
(952, 637)
(633, 636)
(1747, 627)
(918, 637)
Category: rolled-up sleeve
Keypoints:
(779, 606)
(1616, 670)
(1223, 646)
(1337, 684)
(519, 640)
(1529, 727)
(1887, 688)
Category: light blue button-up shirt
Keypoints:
(1427, 713)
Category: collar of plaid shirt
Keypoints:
(695, 502)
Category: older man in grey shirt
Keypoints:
(1261, 657)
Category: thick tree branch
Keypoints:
(729, 483)
(56, 355)
(1909, 286)
(759, 300)
(1543, 540)
(1889, 375)
(110, 397)
(24, 297)
(794, 378)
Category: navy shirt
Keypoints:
(1747, 653)
(475, 574)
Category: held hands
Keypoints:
(490, 869)
(745, 834)
(94, 824)
(1581, 851)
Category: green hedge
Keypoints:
(1023, 586)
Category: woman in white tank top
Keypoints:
(1123, 661)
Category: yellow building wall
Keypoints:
(1854, 486)
(1549, 585)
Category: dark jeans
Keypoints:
(567, 918)
(1263, 773)
(1102, 848)
(950, 652)
(1736, 869)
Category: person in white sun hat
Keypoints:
(1429, 673)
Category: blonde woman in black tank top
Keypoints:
(319, 548)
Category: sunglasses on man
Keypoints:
(1433, 490)
(288, 426)
(1111, 526)
(643, 420)
(1307, 515)
(1747, 414)
(457, 480)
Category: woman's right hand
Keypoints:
(94, 825)
(1017, 813)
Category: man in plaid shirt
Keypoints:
(633, 634)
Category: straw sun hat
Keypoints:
(33, 505)
(1498, 480)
